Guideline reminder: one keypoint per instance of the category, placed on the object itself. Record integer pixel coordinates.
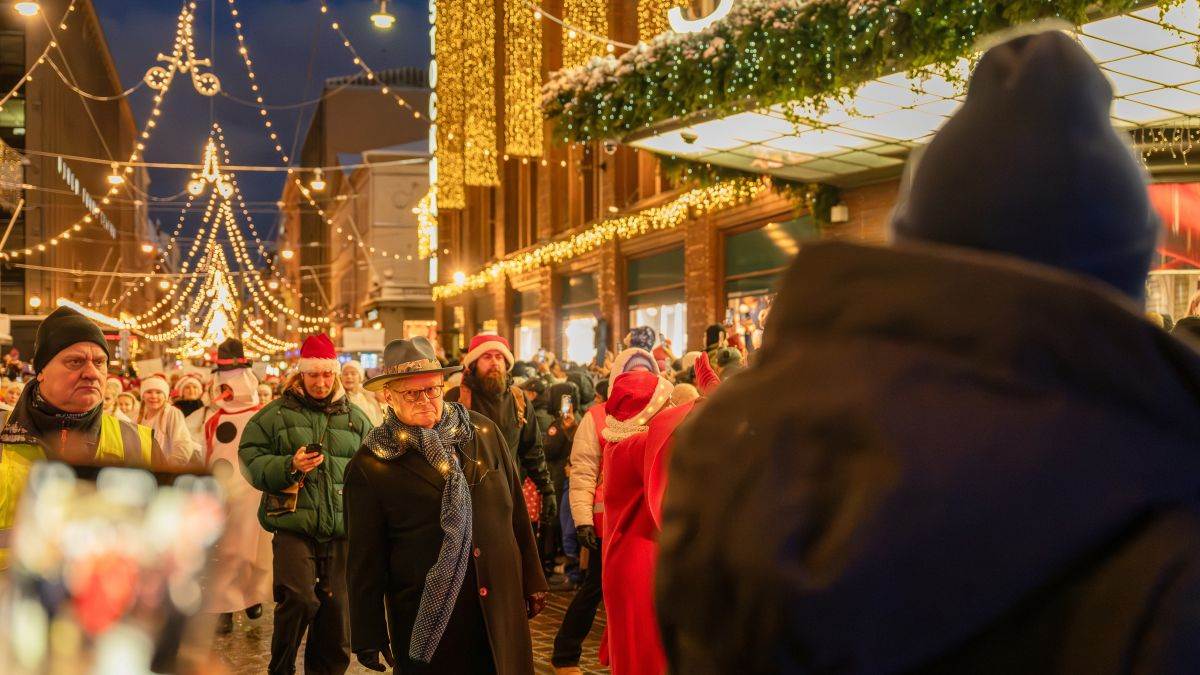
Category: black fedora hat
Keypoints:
(405, 358)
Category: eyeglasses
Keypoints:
(414, 395)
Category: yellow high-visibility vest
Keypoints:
(17, 460)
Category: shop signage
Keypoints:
(682, 24)
(362, 339)
(72, 181)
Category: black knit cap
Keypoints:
(1031, 166)
(63, 328)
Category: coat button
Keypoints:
(478, 553)
(483, 592)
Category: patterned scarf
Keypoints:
(445, 579)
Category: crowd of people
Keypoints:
(968, 451)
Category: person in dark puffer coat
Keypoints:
(310, 538)
(965, 453)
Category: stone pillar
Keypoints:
(609, 287)
(701, 279)
(551, 298)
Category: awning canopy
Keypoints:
(1150, 56)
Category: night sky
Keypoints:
(285, 38)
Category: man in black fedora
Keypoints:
(443, 569)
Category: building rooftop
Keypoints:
(394, 77)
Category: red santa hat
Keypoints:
(484, 343)
(317, 354)
(634, 399)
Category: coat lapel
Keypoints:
(415, 462)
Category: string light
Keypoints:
(523, 125)
(652, 18)
(426, 226)
(362, 64)
(592, 17)
(684, 208)
(479, 76)
(183, 59)
(447, 171)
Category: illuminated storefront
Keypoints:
(655, 296)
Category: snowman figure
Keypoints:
(241, 572)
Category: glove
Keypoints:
(586, 534)
(370, 659)
(549, 508)
(534, 604)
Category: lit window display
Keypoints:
(656, 296)
(528, 324)
(581, 306)
(755, 261)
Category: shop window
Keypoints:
(581, 307)
(528, 320)
(656, 296)
(485, 313)
(754, 265)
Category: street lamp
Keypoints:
(164, 284)
(26, 8)
(147, 248)
(287, 254)
(382, 19)
(318, 181)
(115, 178)
(35, 301)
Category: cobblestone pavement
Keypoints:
(248, 648)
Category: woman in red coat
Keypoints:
(639, 428)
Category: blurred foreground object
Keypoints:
(106, 576)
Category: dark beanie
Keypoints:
(1189, 326)
(63, 328)
(1031, 166)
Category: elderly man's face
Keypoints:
(417, 400)
(351, 379)
(319, 384)
(74, 379)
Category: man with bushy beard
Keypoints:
(487, 389)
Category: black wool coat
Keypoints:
(392, 518)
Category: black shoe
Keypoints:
(254, 612)
(225, 624)
(561, 582)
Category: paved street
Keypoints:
(248, 648)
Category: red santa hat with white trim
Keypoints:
(484, 343)
(318, 354)
(635, 398)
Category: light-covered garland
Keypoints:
(768, 52)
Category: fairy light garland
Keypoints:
(652, 17)
(479, 89)
(523, 126)
(366, 69)
(244, 52)
(427, 225)
(448, 106)
(41, 59)
(687, 206)
(183, 59)
(590, 16)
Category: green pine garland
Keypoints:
(768, 52)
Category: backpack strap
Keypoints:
(519, 399)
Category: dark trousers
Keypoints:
(577, 622)
(310, 595)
